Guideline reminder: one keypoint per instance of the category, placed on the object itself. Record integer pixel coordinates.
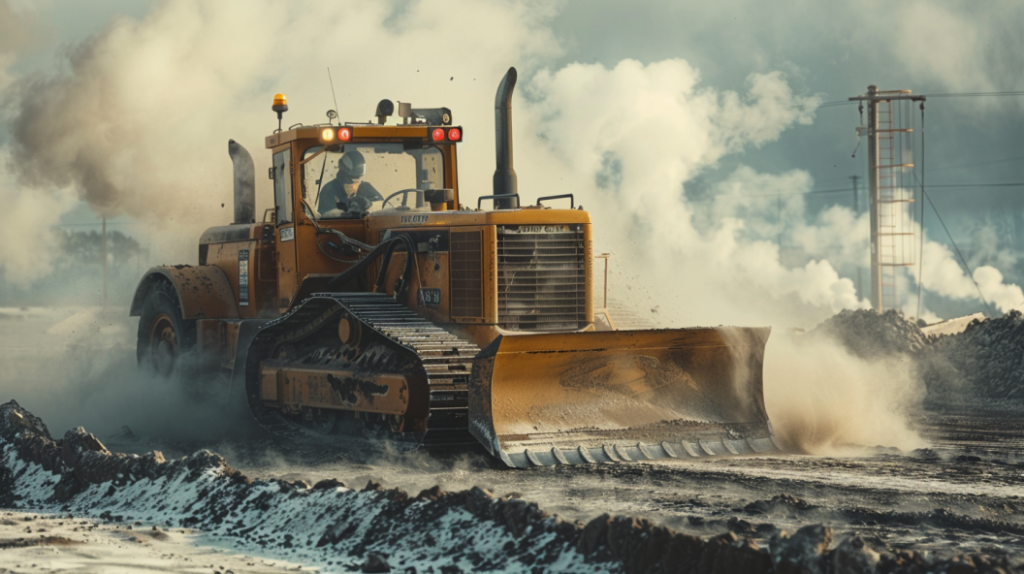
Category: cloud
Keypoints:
(138, 122)
(28, 244)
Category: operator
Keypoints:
(347, 185)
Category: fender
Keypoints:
(204, 291)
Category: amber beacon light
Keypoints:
(280, 106)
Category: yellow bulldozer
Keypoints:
(370, 300)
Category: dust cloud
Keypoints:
(824, 400)
(77, 367)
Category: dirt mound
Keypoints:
(868, 334)
(375, 529)
(982, 364)
(988, 355)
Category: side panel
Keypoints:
(240, 262)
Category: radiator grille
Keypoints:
(466, 274)
(541, 280)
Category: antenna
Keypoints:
(333, 95)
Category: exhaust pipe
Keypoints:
(245, 183)
(504, 176)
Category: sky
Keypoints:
(692, 131)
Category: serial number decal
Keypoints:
(539, 229)
(415, 218)
(287, 234)
(428, 297)
(243, 277)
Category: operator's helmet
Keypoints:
(352, 165)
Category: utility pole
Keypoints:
(103, 254)
(886, 167)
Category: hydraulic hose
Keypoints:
(385, 249)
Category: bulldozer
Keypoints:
(370, 301)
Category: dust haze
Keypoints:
(134, 120)
(77, 367)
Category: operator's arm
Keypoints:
(329, 196)
(367, 190)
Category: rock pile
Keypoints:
(868, 334)
(984, 362)
(379, 530)
(988, 355)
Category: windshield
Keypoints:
(347, 181)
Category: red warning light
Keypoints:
(344, 134)
(437, 135)
(454, 134)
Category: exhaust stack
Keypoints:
(504, 176)
(245, 183)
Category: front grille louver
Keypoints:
(541, 280)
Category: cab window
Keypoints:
(347, 181)
(283, 186)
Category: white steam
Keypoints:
(139, 122)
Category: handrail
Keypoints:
(572, 201)
(481, 199)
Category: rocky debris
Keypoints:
(784, 504)
(908, 561)
(804, 552)
(381, 530)
(376, 563)
(853, 556)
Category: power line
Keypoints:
(951, 95)
(989, 162)
(978, 94)
(849, 189)
(973, 185)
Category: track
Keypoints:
(392, 339)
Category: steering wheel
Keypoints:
(403, 193)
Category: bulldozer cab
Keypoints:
(334, 177)
(372, 164)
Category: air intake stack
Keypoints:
(504, 176)
(245, 183)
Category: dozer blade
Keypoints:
(618, 396)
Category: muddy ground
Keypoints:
(959, 496)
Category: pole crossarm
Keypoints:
(888, 97)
